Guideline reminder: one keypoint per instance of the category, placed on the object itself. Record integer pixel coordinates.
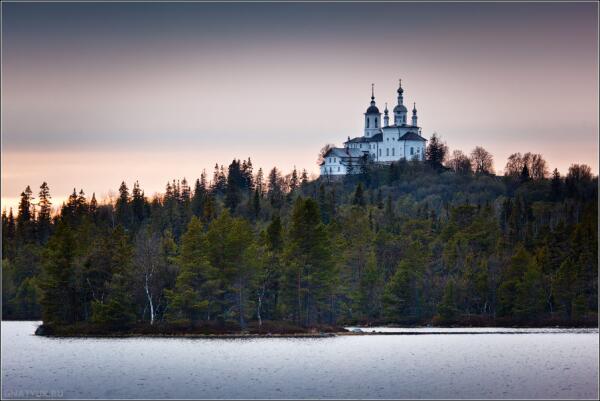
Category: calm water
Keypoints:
(550, 364)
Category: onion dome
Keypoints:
(400, 109)
(372, 108)
(400, 90)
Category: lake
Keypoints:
(494, 363)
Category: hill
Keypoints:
(407, 243)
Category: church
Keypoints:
(380, 142)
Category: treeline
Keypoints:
(441, 241)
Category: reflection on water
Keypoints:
(553, 364)
(474, 330)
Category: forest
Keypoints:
(443, 241)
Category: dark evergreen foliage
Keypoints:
(409, 242)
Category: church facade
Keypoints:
(381, 141)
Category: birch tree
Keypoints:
(147, 262)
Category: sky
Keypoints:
(97, 93)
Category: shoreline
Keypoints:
(44, 331)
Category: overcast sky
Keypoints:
(98, 93)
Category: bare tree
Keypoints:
(323, 152)
(538, 168)
(482, 161)
(459, 163)
(514, 165)
(534, 162)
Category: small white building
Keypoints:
(342, 161)
(380, 142)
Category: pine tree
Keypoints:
(274, 234)
(436, 151)
(25, 219)
(379, 199)
(397, 295)
(303, 179)
(530, 298)
(247, 176)
(44, 218)
(234, 186)
(60, 300)
(275, 191)
(507, 292)
(8, 236)
(256, 204)
(10, 226)
(556, 185)
(259, 182)
(209, 212)
(110, 279)
(197, 281)
(447, 308)
(294, 180)
(123, 207)
(93, 206)
(309, 273)
(81, 206)
(197, 203)
(185, 192)
(359, 198)
(137, 204)
(228, 242)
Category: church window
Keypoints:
(336, 160)
(393, 151)
(379, 152)
(387, 151)
(368, 122)
(376, 123)
(338, 168)
(412, 150)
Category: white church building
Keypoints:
(380, 142)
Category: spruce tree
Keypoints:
(359, 197)
(294, 180)
(197, 203)
(81, 207)
(309, 271)
(44, 217)
(195, 293)
(256, 203)
(303, 179)
(436, 151)
(137, 204)
(275, 191)
(556, 185)
(123, 207)
(60, 300)
(26, 218)
(274, 234)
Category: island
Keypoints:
(442, 241)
